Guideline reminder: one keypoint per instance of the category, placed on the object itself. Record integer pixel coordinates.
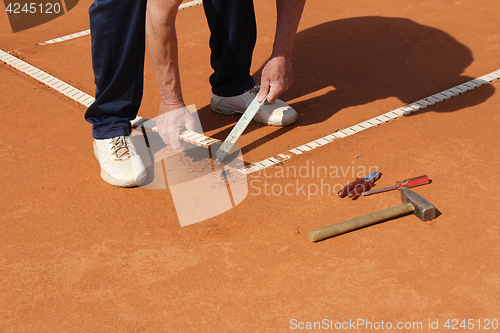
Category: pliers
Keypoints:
(360, 185)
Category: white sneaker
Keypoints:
(274, 114)
(120, 163)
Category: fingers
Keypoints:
(175, 143)
(273, 94)
(277, 76)
(171, 123)
(163, 136)
(161, 125)
(270, 89)
(190, 122)
(264, 90)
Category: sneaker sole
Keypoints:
(123, 183)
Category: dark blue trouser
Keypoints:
(118, 33)
(233, 36)
(118, 45)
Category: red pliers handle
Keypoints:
(354, 189)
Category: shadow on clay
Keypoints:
(356, 61)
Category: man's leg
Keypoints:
(118, 46)
(232, 41)
(233, 36)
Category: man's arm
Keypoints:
(162, 42)
(173, 116)
(277, 75)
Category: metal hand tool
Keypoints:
(408, 183)
(412, 203)
(237, 130)
(355, 188)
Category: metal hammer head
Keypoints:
(423, 208)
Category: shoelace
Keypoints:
(255, 90)
(120, 148)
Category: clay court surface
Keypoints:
(79, 255)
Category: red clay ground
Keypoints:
(78, 255)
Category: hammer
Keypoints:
(412, 203)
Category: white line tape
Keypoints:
(330, 137)
(67, 37)
(190, 4)
(304, 148)
(348, 131)
(357, 128)
(339, 135)
(322, 141)
(267, 163)
(255, 167)
(399, 112)
(295, 151)
(47, 79)
(391, 115)
(53, 82)
(197, 139)
(312, 145)
(455, 90)
(440, 97)
(86, 100)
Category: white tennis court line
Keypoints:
(67, 37)
(376, 121)
(86, 100)
(47, 79)
(190, 4)
(87, 32)
(81, 97)
(52, 82)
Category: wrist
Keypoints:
(171, 106)
(282, 52)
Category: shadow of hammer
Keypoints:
(412, 203)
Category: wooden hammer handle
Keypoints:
(359, 222)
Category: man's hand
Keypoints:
(277, 77)
(173, 116)
(171, 123)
